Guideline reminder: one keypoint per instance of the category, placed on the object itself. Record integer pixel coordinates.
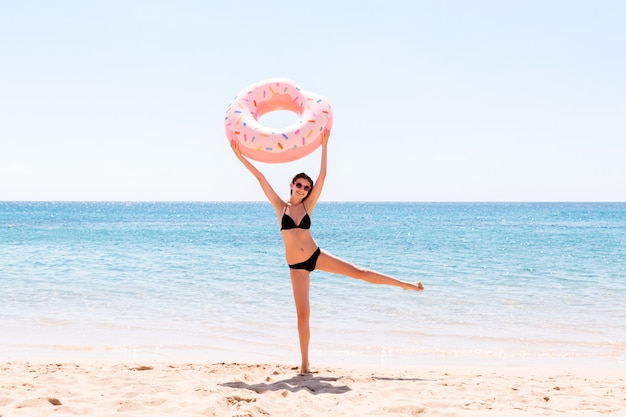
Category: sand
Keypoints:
(259, 390)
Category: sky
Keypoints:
(433, 100)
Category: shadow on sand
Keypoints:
(312, 384)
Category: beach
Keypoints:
(156, 309)
(475, 149)
(259, 390)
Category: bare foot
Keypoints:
(305, 369)
(415, 287)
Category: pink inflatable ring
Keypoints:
(275, 145)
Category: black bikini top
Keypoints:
(287, 222)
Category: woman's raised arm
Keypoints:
(311, 200)
(271, 195)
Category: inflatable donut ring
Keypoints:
(275, 145)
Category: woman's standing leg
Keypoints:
(300, 283)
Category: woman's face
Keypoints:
(300, 187)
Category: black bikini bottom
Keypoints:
(309, 264)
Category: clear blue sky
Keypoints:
(434, 101)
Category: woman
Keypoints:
(301, 251)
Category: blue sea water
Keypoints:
(506, 284)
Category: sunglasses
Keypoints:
(300, 185)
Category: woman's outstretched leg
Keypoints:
(300, 283)
(330, 263)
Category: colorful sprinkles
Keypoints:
(270, 145)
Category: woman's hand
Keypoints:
(234, 144)
(325, 136)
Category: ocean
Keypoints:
(506, 284)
